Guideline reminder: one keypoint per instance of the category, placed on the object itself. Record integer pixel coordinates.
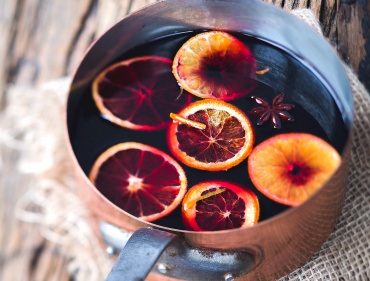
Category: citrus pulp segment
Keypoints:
(216, 65)
(219, 205)
(225, 142)
(139, 93)
(289, 168)
(139, 179)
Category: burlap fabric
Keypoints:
(62, 218)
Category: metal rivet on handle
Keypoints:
(162, 268)
(110, 250)
(229, 277)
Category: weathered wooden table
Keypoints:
(42, 40)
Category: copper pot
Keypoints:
(273, 247)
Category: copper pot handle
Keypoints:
(139, 255)
(174, 258)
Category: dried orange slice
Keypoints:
(216, 65)
(139, 93)
(139, 179)
(219, 205)
(289, 168)
(225, 142)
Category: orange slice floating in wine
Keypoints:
(139, 93)
(219, 205)
(225, 142)
(289, 168)
(139, 179)
(215, 65)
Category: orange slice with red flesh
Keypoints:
(139, 179)
(219, 205)
(225, 142)
(215, 65)
(289, 168)
(139, 93)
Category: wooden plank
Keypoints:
(7, 17)
(46, 33)
(328, 19)
(41, 39)
(354, 37)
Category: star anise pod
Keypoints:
(276, 113)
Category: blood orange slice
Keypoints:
(139, 179)
(219, 205)
(289, 168)
(215, 65)
(139, 93)
(225, 142)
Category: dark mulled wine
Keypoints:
(315, 112)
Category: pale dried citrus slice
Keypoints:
(139, 93)
(139, 179)
(225, 142)
(289, 168)
(215, 65)
(219, 205)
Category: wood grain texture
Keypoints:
(46, 37)
(354, 37)
(43, 39)
(8, 15)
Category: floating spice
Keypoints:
(275, 113)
